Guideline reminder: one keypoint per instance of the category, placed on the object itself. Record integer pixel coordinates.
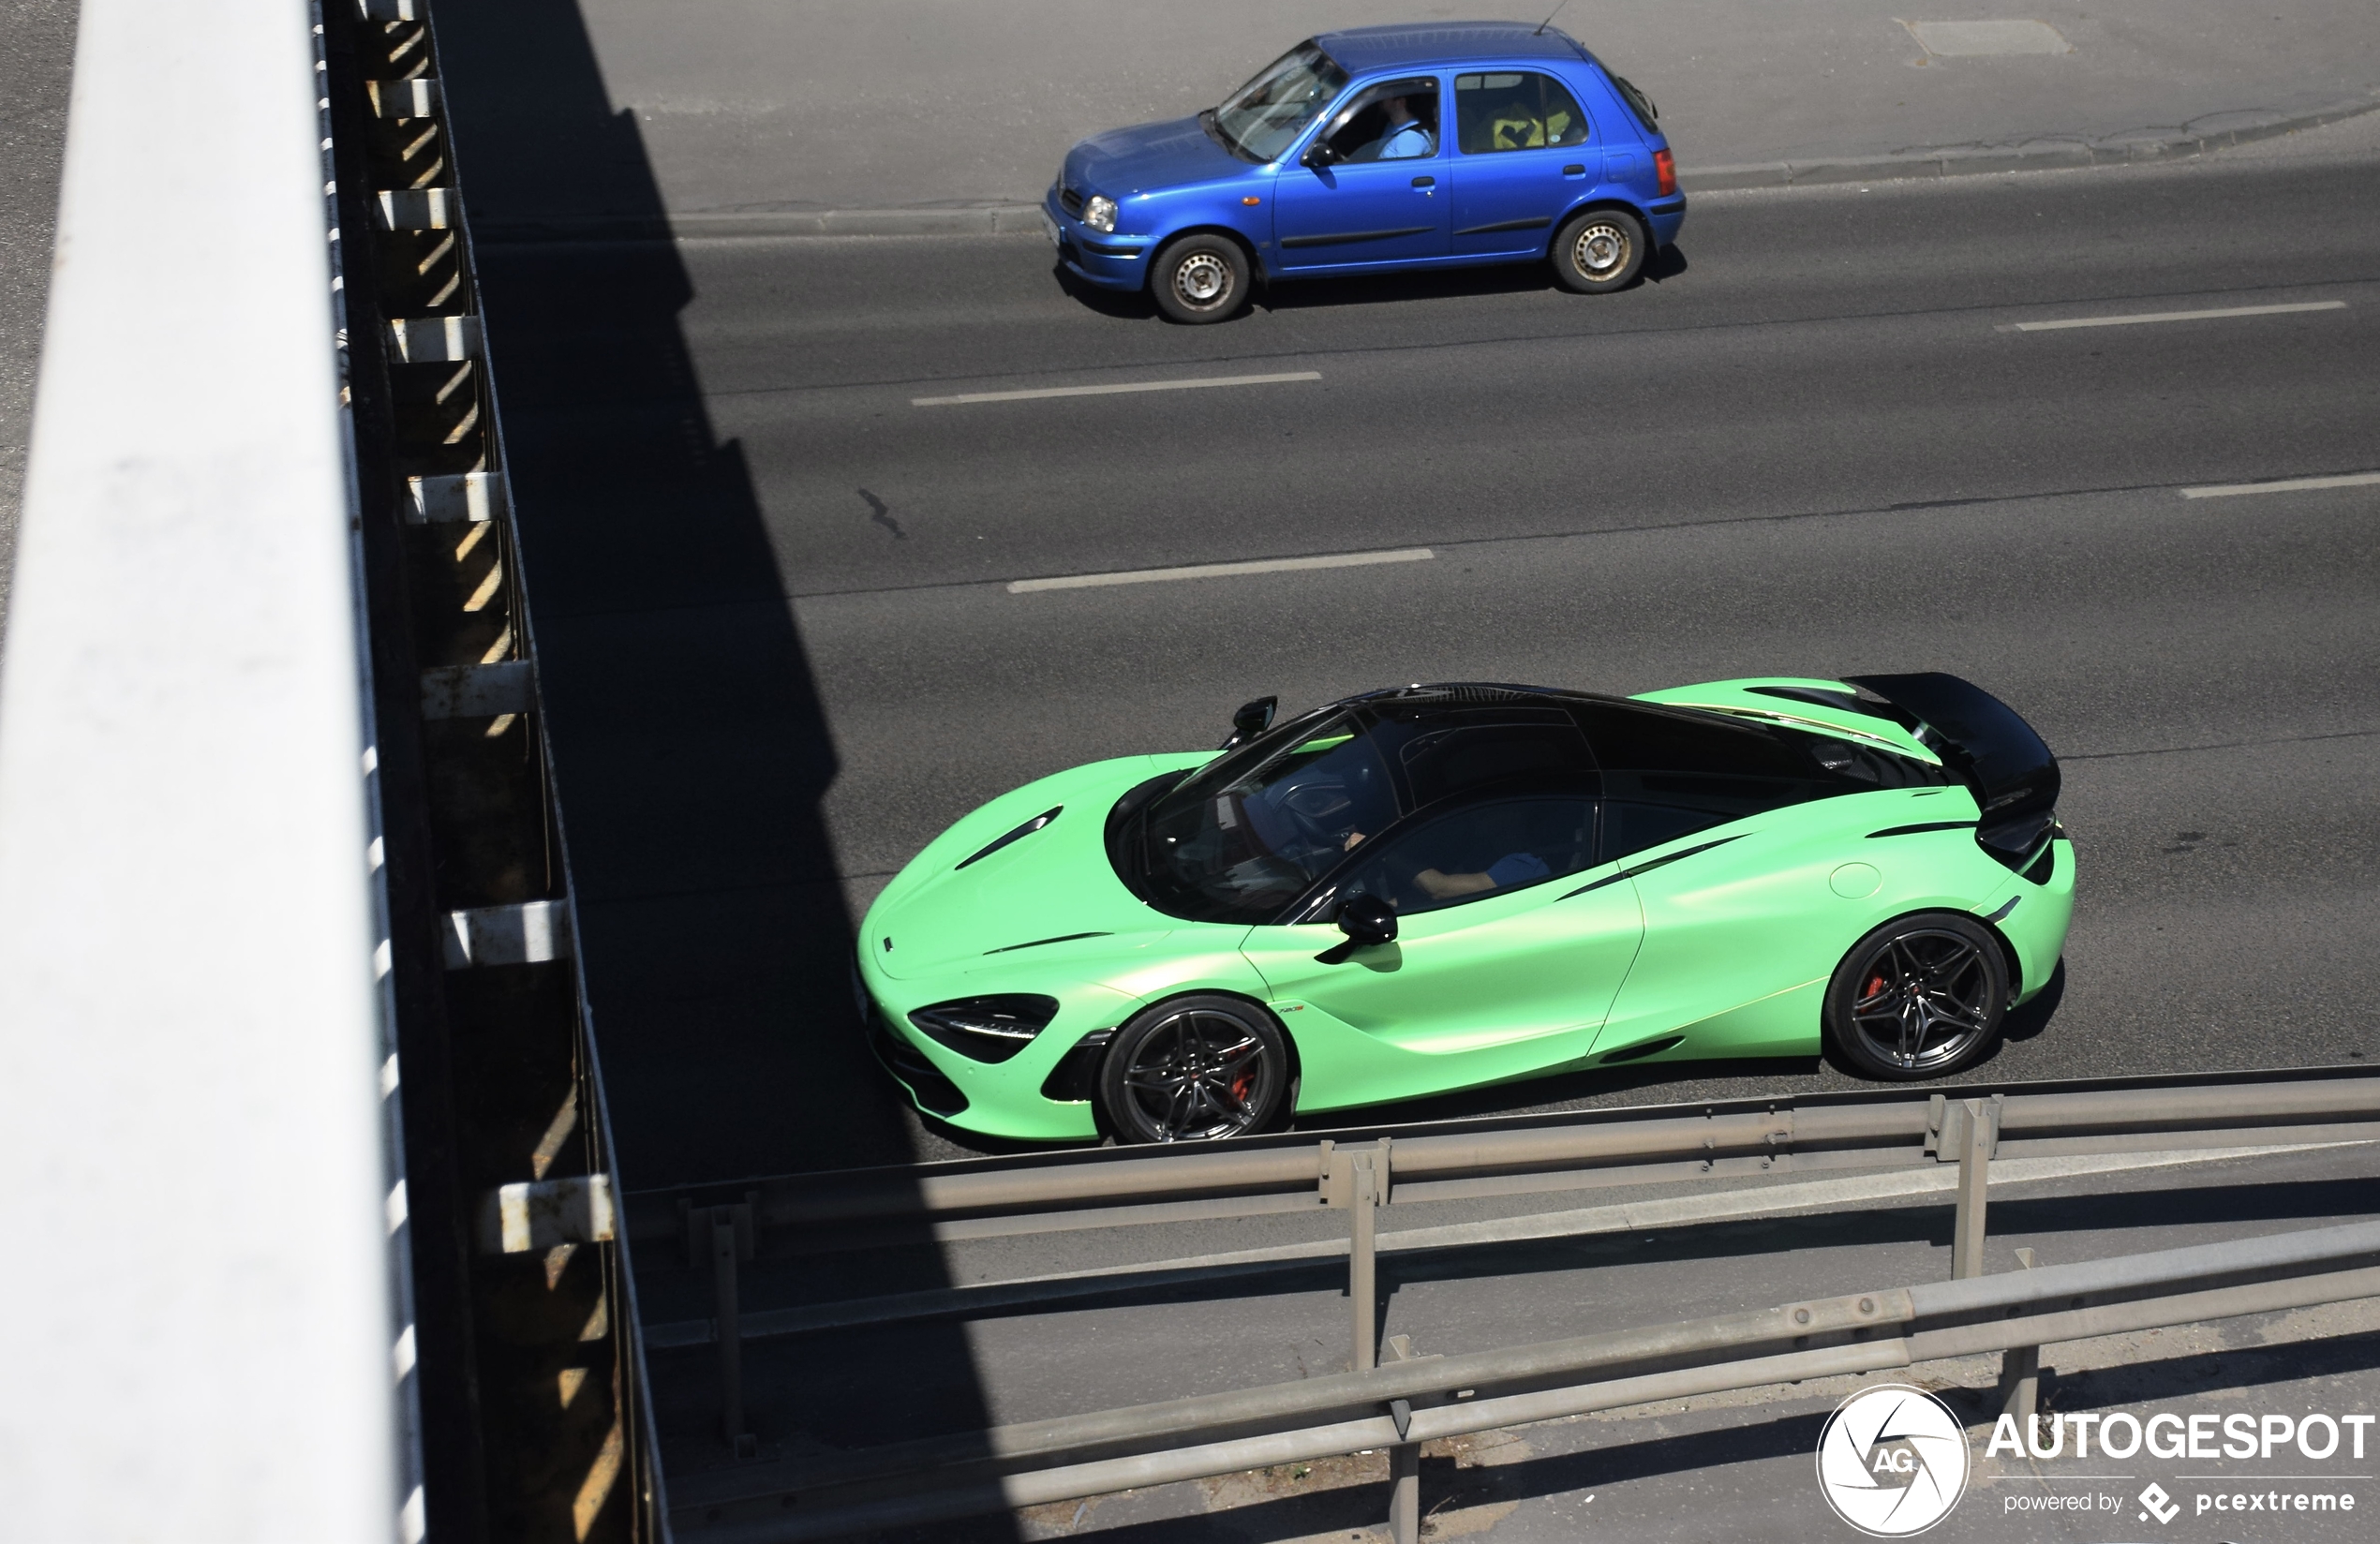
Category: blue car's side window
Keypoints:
(1394, 121)
(1515, 109)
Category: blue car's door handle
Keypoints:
(1574, 169)
(1425, 182)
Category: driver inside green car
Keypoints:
(1511, 868)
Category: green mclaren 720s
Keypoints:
(1437, 888)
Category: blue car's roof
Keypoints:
(1361, 48)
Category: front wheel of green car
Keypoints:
(1920, 997)
(1193, 1070)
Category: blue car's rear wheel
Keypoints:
(1193, 1070)
(1201, 278)
(1922, 996)
(1599, 250)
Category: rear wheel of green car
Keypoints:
(1922, 996)
(1196, 1069)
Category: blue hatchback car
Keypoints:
(1376, 149)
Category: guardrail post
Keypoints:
(2020, 1373)
(730, 1240)
(1405, 1471)
(1970, 1128)
(1362, 1259)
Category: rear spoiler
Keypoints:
(1990, 749)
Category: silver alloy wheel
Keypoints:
(1203, 280)
(1601, 248)
(1925, 999)
(1198, 1076)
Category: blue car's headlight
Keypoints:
(1100, 213)
(987, 1029)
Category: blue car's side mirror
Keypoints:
(1320, 154)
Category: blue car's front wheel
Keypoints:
(1201, 277)
(1193, 1070)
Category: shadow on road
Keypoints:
(691, 747)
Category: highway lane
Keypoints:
(1808, 448)
(1818, 352)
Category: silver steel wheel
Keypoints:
(1198, 1075)
(1600, 249)
(1923, 999)
(1202, 280)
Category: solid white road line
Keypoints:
(2291, 485)
(1221, 571)
(1112, 391)
(2174, 315)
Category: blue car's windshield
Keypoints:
(1237, 842)
(1264, 116)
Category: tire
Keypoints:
(1196, 1069)
(1922, 996)
(1599, 251)
(1201, 278)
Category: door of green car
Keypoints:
(1503, 963)
(1742, 930)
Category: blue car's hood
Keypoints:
(1147, 157)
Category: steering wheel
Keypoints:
(1318, 810)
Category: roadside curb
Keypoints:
(2214, 131)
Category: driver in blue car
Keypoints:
(1405, 139)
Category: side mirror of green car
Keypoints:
(1367, 920)
(1253, 718)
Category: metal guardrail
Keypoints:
(1409, 1401)
(484, 950)
(1833, 1134)
(1722, 1139)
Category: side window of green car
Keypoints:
(1490, 848)
(1668, 774)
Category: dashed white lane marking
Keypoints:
(1221, 571)
(1117, 389)
(2287, 484)
(2139, 317)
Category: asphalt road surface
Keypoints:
(870, 104)
(779, 650)
(35, 68)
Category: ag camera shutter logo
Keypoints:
(1892, 1461)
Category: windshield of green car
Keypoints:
(1246, 836)
(1263, 117)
